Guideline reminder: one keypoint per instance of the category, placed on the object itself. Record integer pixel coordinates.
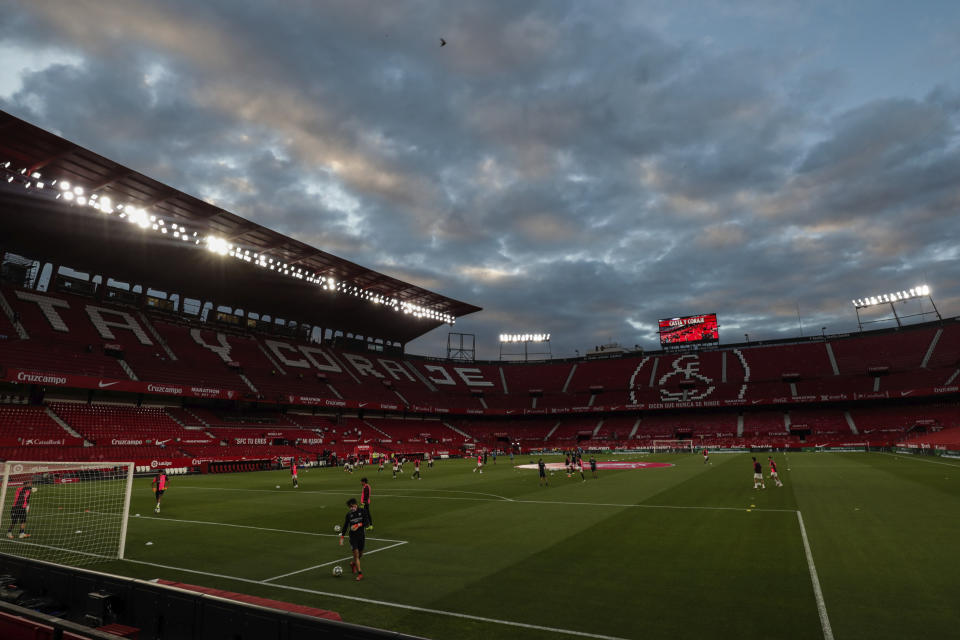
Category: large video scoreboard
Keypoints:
(700, 329)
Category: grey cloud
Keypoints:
(570, 170)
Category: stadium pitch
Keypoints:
(854, 545)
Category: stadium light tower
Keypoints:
(920, 291)
(526, 339)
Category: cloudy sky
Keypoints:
(578, 168)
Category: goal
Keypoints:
(71, 513)
(672, 446)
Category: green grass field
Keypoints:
(689, 550)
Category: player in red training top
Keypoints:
(773, 471)
(159, 485)
(706, 456)
(416, 469)
(293, 473)
(18, 512)
(758, 475)
(479, 466)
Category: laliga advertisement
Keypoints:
(689, 330)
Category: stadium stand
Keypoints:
(32, 427)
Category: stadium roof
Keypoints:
(36, 224)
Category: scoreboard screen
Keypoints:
(689, 330)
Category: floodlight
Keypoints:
(889, 298)
(218, 245)
(78, 191)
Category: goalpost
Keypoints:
(672, 446)
(76, 512)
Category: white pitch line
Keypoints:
(817, 593)
(348, 493)
(327, 564)
(247, 526)
(519, 501)
(48, 546)
(653, 506)
(902, 457)
(396, 605)
(476, 493)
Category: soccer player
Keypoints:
(758, 475)
(416, 469)
(159, 485)
(593, 466)
(479, 466)
(543, 473)
(396, 467)
(354, 523)
(365, 493)
(580, 468)
(773, 472)
(293, 473)
(429, 461)
(706, 456)
(18, 512)
(380, 468)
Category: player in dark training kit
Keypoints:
(543, 472)
(18, 512)
(758, 475)
(354, 523)
(365, 493)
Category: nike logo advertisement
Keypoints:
(159, 442)
(905, 393)
(362, 404)
(104, 385)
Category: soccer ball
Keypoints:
(337, 571)
(336, 528)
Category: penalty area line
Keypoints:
(396, 605)
(327, 564)
(817, 592)
(247, 526)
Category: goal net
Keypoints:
(71, 513)
(672, 446)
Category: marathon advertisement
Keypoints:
(22, 376)
(689, 330)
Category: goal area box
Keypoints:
(72, 513)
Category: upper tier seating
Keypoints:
(68, 334)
